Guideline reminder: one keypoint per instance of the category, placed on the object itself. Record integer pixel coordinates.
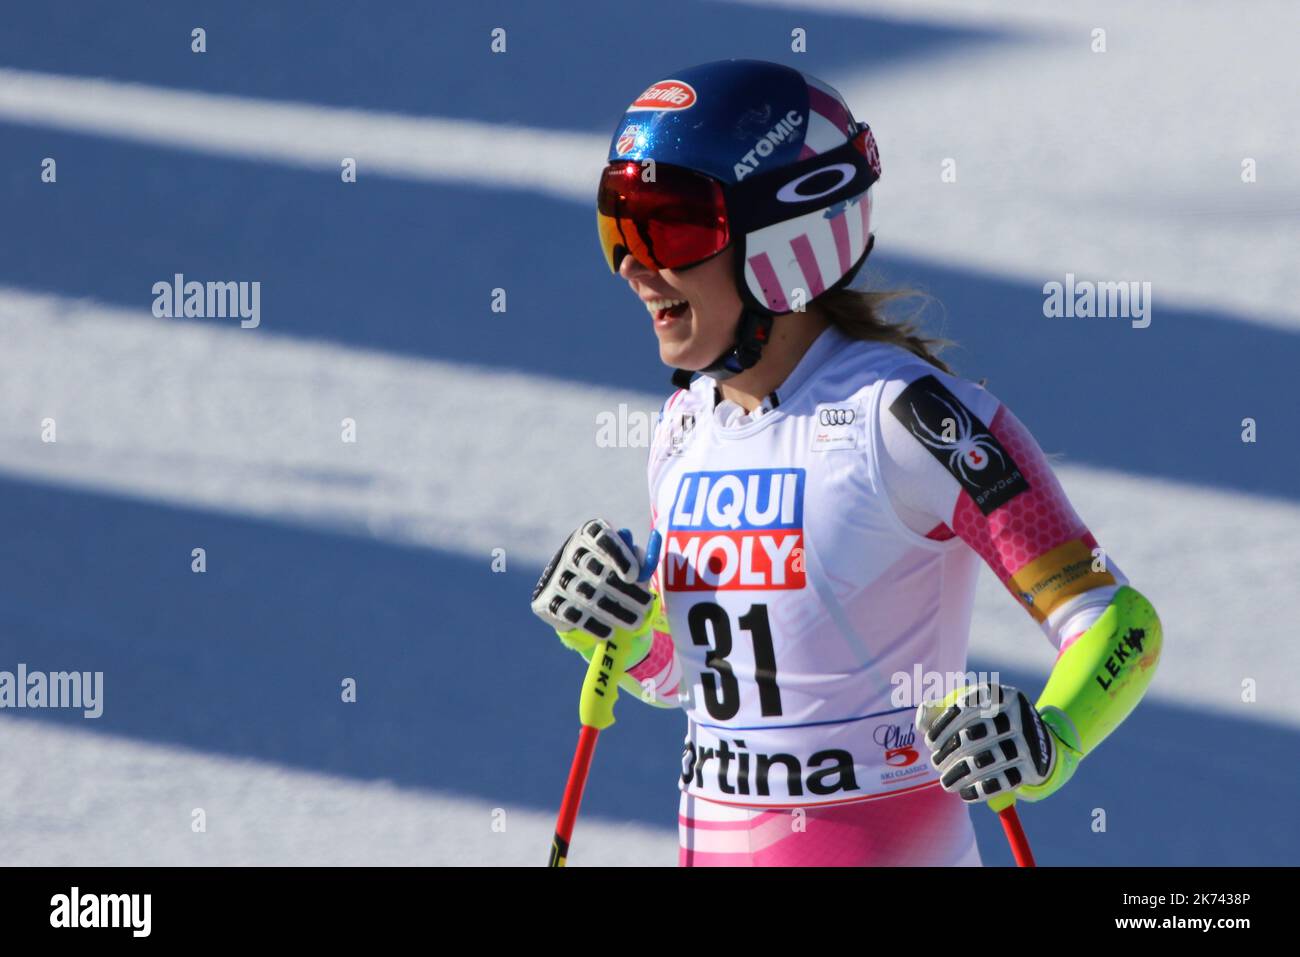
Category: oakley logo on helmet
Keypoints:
(768, 142)
(838, 175)
(665, 95)
(836, 416)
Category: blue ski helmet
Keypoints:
(746, 153)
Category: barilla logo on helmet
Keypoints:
(665, 95)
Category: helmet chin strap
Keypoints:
(754, 330)
(752, 333)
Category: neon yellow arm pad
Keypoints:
(584, 644)
(1096, 683)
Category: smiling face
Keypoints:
(694, 310)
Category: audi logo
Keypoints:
(837, 416)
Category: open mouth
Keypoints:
(664, 310)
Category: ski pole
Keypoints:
(596, 711)
(1005, 806)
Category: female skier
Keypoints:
(823, 488)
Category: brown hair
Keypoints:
(864, 314)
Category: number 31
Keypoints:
(722, 690)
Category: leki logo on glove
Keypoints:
(665, 95)
(736, 530)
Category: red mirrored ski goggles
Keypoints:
(676, 219)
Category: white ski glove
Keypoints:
(986, 739)
(592, 582)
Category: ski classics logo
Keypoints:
(898, 751)
(897, 743)
(627, 139)
(960, 442)
(835, 427)
(736, 530)
(665, 95)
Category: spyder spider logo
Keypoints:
(963, 444)
(967, 450)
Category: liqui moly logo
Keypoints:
(736, 530)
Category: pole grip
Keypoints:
(600, 686)
(1000, 801)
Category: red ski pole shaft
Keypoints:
(573, 795)
(596, 712)
(1006, 811)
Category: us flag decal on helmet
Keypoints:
(627, 139)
